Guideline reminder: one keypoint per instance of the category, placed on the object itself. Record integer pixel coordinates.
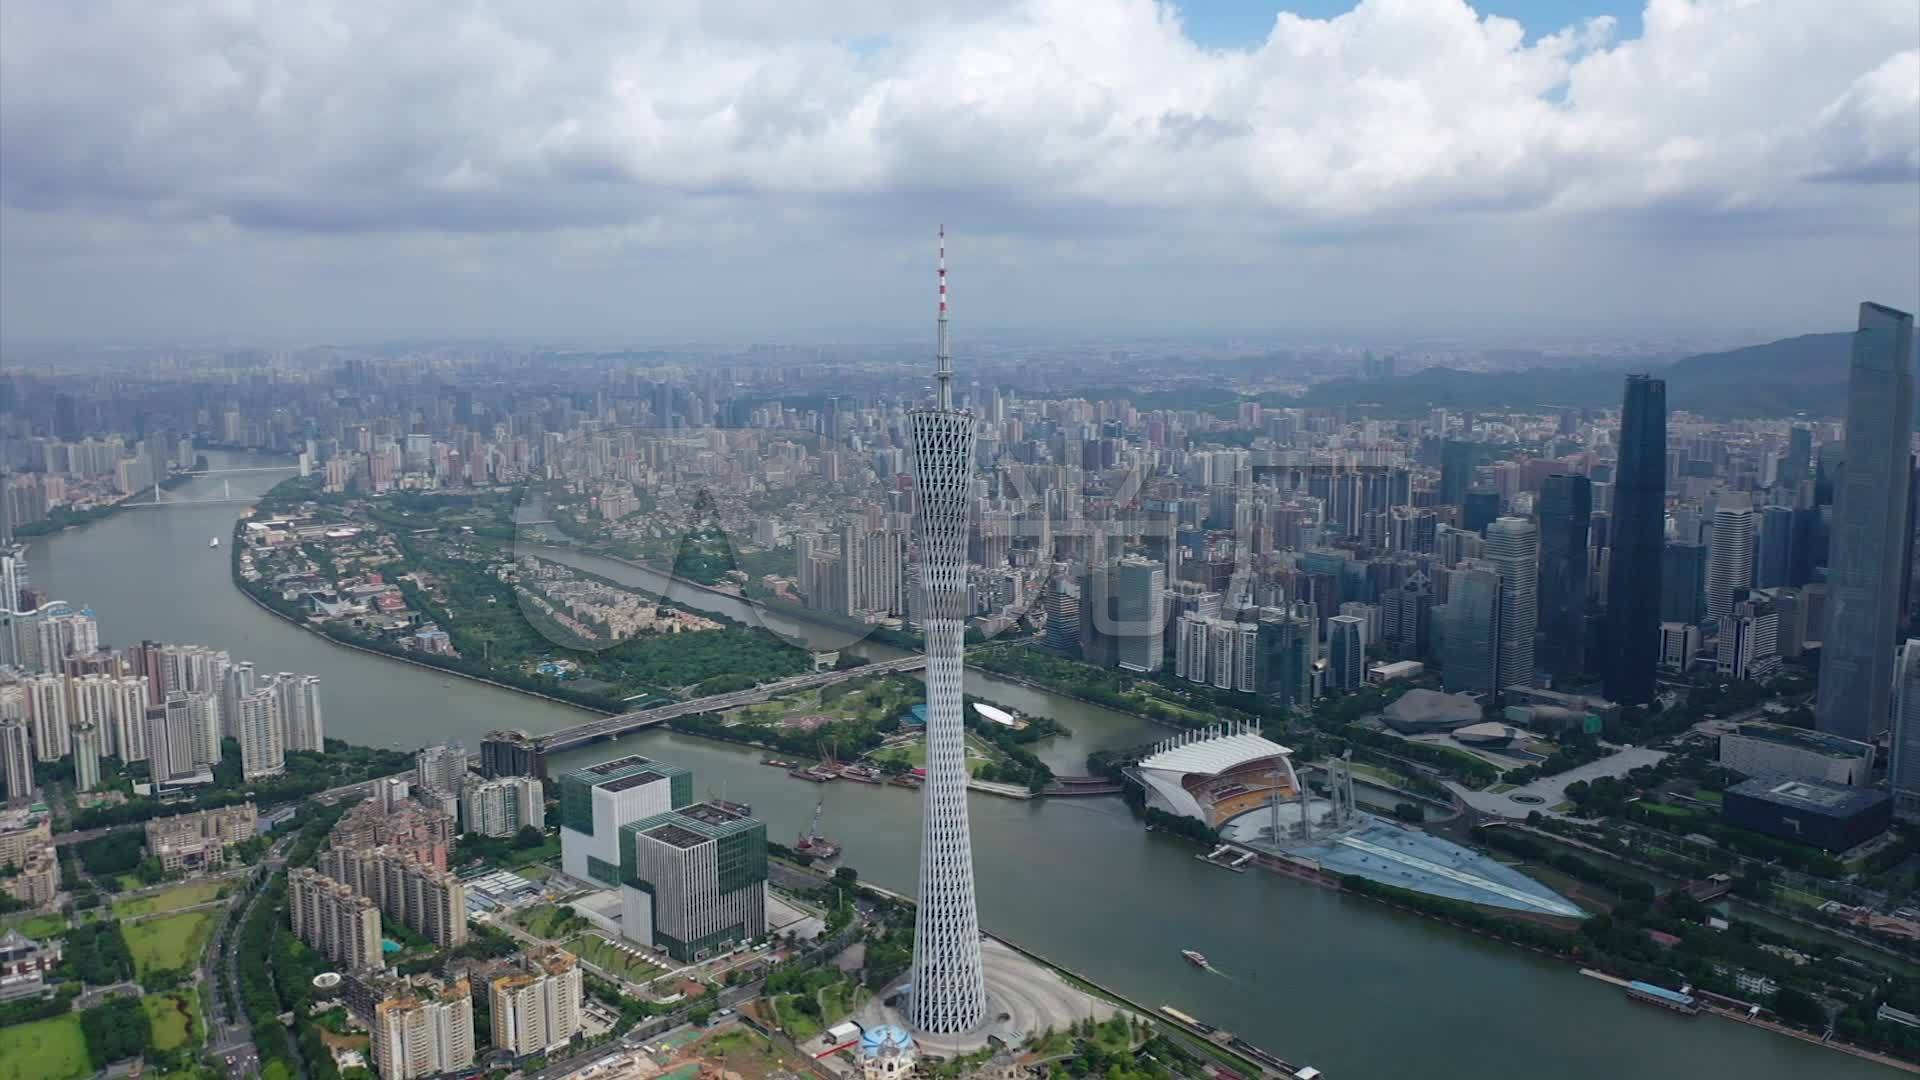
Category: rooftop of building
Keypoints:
(1215, 754)
(1813, 796)
(22, 817)
(693, 825)
(607, 773)
(631, 781)
(1818, 742)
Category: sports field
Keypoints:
(168, 942)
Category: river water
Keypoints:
(1316, 977)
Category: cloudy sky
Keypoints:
(774, 169)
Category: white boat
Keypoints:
(1196, 958)
(214, 542)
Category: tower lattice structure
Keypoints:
(949, 991)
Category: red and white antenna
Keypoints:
(942, 354)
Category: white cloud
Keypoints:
(675, 123)
(393, 113)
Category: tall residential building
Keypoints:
(1729, 554)
(86, 756)
(333, 919)
(511, 753)
(423, 1028)
(431, 902)
(49, 706)
(537, 1008)
(1140, 608)
(257, 727)
(949, 986)
(177, 735)
(300, 711)
(1639, 534)
(1903, 766)
(693, 881)
(597, 800)
(1469, 625)
(440, 768)
(16, 759)
(1564, 509)
(1865, 560)
(1513, 550)
(241, 680)
(1346, 652)
(502, 807)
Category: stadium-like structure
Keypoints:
(1244, 787)
(1218, 774)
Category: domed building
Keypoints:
(887, 1052)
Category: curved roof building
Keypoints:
(1218, 774)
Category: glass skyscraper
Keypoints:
(1513, 550)
(1639, 537)
(1867, 549)
(1565, 510)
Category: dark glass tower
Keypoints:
(1639, 538)
(1565, 509)
(1867, 551)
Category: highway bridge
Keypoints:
(612, 727)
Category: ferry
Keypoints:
(214, 542)
(1197, 959)
(1677, 1000)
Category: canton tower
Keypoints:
(949, 994)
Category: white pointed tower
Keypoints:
(949, 994)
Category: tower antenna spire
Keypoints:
(942, 352)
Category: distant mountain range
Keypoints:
(1805, 374)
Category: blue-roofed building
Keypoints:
(1829, 816)
(916, 716)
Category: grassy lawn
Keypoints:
(838, 1001)
(39, 925)
(1502, 789)
(748, 1054)
(175, 1017)
(44, 1050)
(171, 941)
(915, 754)
(800, 1027)
(1711, 798)
(197, 892)
(542, 920)
(603, 954)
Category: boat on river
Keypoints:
(214, 542)
(1197, 959)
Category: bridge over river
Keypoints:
(612, 727)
